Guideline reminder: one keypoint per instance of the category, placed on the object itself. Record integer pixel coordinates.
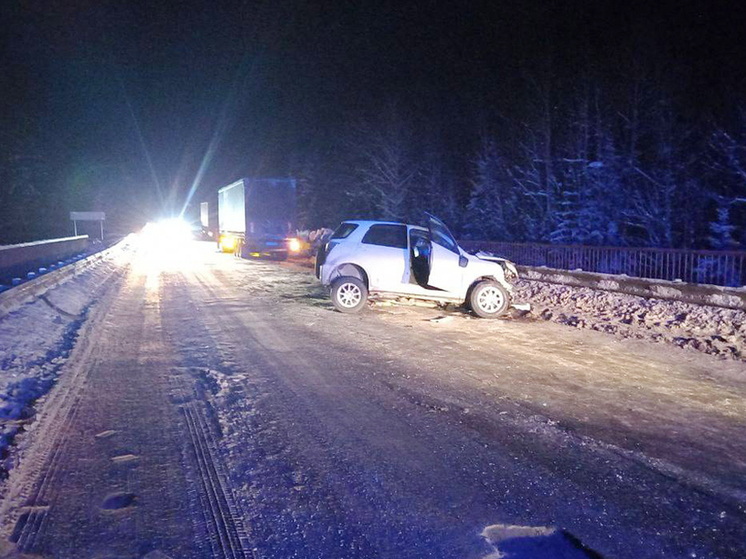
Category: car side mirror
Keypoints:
(463, 261)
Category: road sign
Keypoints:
(87, 216)
(75, 217)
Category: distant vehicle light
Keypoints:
(167, 232)
(294, 245)
(227, 243)
(175, 230)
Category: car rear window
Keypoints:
(344, 230)
(394, 236)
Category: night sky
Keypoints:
(129, 97)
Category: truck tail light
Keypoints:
(227, 243)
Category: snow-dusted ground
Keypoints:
(712, 330)
(214, 407)
(36, 339)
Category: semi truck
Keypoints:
(256, 218)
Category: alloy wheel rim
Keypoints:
(490, 299)
(349, 295)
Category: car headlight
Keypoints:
(294, 245)
(512, 271)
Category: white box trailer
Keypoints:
(256, 217)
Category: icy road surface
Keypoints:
(214, 407)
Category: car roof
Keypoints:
(368, 222)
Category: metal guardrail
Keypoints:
(693, 293)
(11, 299)
(16, 260)
(714, 267)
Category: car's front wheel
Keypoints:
(489, 299)
(349, 294)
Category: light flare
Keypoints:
(294, 245)
(165, 246)
(228, 243)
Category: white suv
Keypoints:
(394, 259)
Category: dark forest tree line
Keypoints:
(39, 187)
(600, 157)
(580, 165)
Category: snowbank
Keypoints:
(38, 330)
(709, 329)
(695, 293)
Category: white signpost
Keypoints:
(204, 214)
(75, 217)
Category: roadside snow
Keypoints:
(708, 329)
(533, 541)
(35, 341)
(712, 330)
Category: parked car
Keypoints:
(395, 259)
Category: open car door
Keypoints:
(446, 262)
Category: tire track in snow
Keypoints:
(310, 511)
(31, 522)
(228, 538)
(34, 487)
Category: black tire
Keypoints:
(349, 294)
(320, 257)
(489, 299)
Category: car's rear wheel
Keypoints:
(489, 299)
(349, 294)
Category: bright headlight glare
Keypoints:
(228, 242)
(172, 230)
(165, 244)
(294, 245)
(175, 229)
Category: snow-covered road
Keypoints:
(214, 407)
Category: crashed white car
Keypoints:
(384, 258)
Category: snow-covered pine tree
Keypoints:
(385, 167)
(721, 229)
(486, 211)
(435, 192)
